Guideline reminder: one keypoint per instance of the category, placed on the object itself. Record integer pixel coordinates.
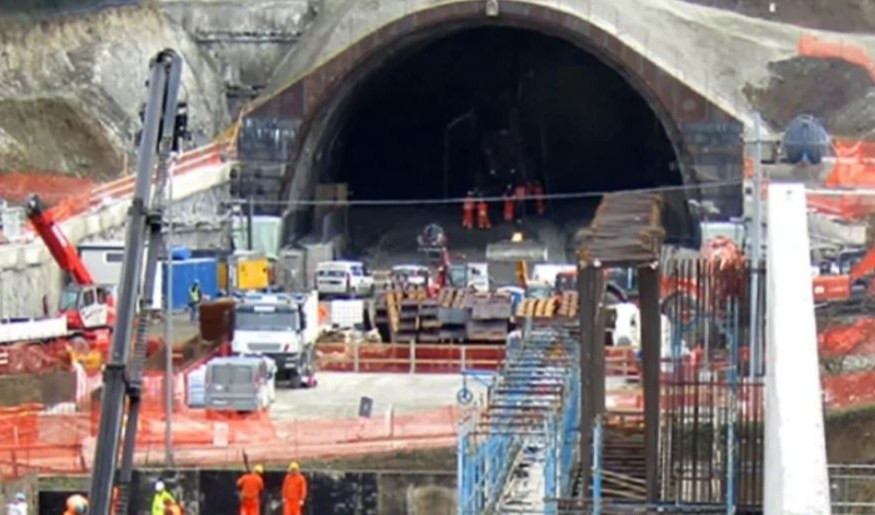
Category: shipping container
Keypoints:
(104, 262)
(185, 273)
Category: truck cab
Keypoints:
(240, 383)
(283, 327)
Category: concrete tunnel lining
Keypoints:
(325, 93)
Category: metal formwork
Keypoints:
(517, 451)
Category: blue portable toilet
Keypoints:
(185, 272)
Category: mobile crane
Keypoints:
(163, 125)
(85, 304)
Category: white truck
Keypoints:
(283, 327)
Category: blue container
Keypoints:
(185, 272)
(805, 140)
(177, 253)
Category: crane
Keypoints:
(122, 376)
(85, 304)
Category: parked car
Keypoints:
(348, 278)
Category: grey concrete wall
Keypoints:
(246, 39)
(212, 491)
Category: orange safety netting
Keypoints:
(853, 390)
(51, 188)
(812, 46)
(32, 441)
(844, 339)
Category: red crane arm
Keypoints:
(863, 267)
(64, 253)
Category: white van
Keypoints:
(348, 278)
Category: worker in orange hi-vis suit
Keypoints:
(483, 215)
(520, 194)
(468, 211)
(294, 490)
(251, 486)
(508, 205)
(538, 192)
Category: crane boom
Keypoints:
(122, 375)
(60, 247)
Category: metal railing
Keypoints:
(410, 358)
(852, 488)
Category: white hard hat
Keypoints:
(159, 486)
(20, 496)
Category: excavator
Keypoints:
(86, 305)
(432, 242)
(844, 286)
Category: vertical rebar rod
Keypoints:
(168, 331)
(597, 466)
(756, 237)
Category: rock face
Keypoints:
(71, 88)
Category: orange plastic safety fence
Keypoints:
(813, 46)
(64, 442)
(51, 188)
(843, 391)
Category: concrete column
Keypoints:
(795, 476)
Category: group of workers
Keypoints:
(514, 200)
(294, 491)
(250, 486)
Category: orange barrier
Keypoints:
(417, 358)
(52, 188)
(64, 443)
(812, 46)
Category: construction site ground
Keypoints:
(384, 237)
(338, 395)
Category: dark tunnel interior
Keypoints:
(489, 107)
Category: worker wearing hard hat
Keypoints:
(468, 211)
(76, 505)
(18, 506)
(161, 495)
(251, 487)
(294, 490)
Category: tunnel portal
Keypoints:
(486, 108)
(433, 105)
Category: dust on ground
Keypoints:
(842, 16)
(849, 436)
(838, 93)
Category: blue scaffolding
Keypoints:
(516, 453)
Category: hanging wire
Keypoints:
(460, 200)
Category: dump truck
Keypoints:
(283, 327)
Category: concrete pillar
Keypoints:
(795, 477)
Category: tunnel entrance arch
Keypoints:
(322, 100)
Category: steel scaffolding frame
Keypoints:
(516, 453)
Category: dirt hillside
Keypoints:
(70, 89)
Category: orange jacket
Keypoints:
(468, 205)
(295, 487)
(482, 209)
(251, 485)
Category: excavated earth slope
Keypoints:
(70, 89)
